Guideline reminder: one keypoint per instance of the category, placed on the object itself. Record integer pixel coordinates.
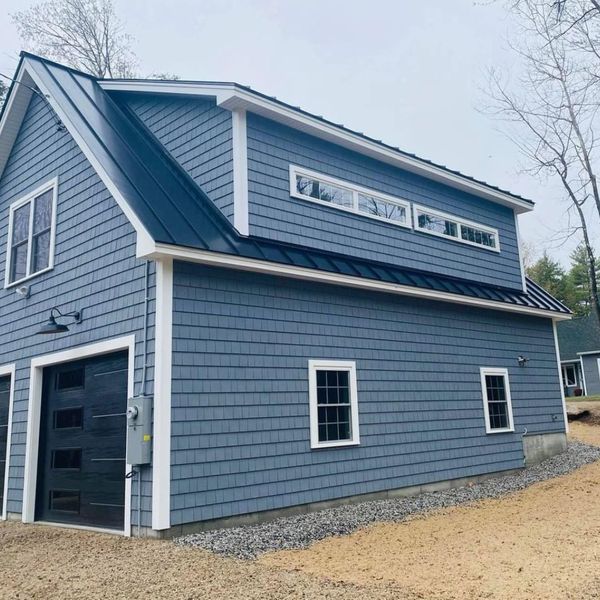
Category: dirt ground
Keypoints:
(541, 543)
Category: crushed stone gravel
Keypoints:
(301, 531)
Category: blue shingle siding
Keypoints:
(240, 416)
(95, 270)
(197, 133)
(591, 366)
(274, 214)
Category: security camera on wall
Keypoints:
(23, 290)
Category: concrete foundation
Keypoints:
(538, 447)
(269, 515)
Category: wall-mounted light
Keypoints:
(51, 326)
(522, 360)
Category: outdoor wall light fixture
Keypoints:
(522, 360)
(51, 326)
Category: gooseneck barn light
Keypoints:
(51, 326)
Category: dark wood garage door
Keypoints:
(81, 470)
(4, 399)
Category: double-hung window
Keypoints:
(444, 225)
(333, 403)
(347, 196)
(496, 400)
(31, 230)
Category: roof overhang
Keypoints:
(12, 116)
(234, 97)
(209, 258)
(589, 352)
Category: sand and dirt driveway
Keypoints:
(542, 542)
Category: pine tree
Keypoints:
(579, 281)
(551, 276)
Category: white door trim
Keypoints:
(34, 413)
(10, 371)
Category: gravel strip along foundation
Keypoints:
(302, 530)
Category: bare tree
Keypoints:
(86, 34)
(551, 110)
(3, 90)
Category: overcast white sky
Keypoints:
(407, 72)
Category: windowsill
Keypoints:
(509, 430)
(326, 445)
(28, 278)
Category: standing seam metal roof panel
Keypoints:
(175, 210)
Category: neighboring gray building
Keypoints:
(314, 315)
(579, 342)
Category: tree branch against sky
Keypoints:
(85, 34)
(551, 110)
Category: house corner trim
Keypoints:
(240, 171)
(161, 459)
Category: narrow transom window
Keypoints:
(31, 234)
(443, 225)
(347, 196)
(496, 400)
(333, 403)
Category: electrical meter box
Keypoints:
(139, 430)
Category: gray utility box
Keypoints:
(139, 430)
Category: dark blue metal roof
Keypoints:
(174, 209)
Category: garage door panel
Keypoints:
(81, 462)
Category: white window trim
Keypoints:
(49, 185)
(503, 372)
(354, 190)
(338, 365)
(563, 368)
(419, 209)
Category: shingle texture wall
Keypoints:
(95, 270)
(240, 412)
(198, 135)
(276, 215)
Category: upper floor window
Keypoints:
(497, 405)
(31, 229)
(333, 403)
(309, 185)
(438, 223)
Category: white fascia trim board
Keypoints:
(34, 414)
(560, 379)
(240, 171)
(586, 353)
(143, 237)
(13, 115)
(229, 261)
(231, 97)
(8, 370)
(161, 454)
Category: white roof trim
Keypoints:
(13, 115)
(162, 251)
(590, 352)
(231, 97)
(11, 124)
